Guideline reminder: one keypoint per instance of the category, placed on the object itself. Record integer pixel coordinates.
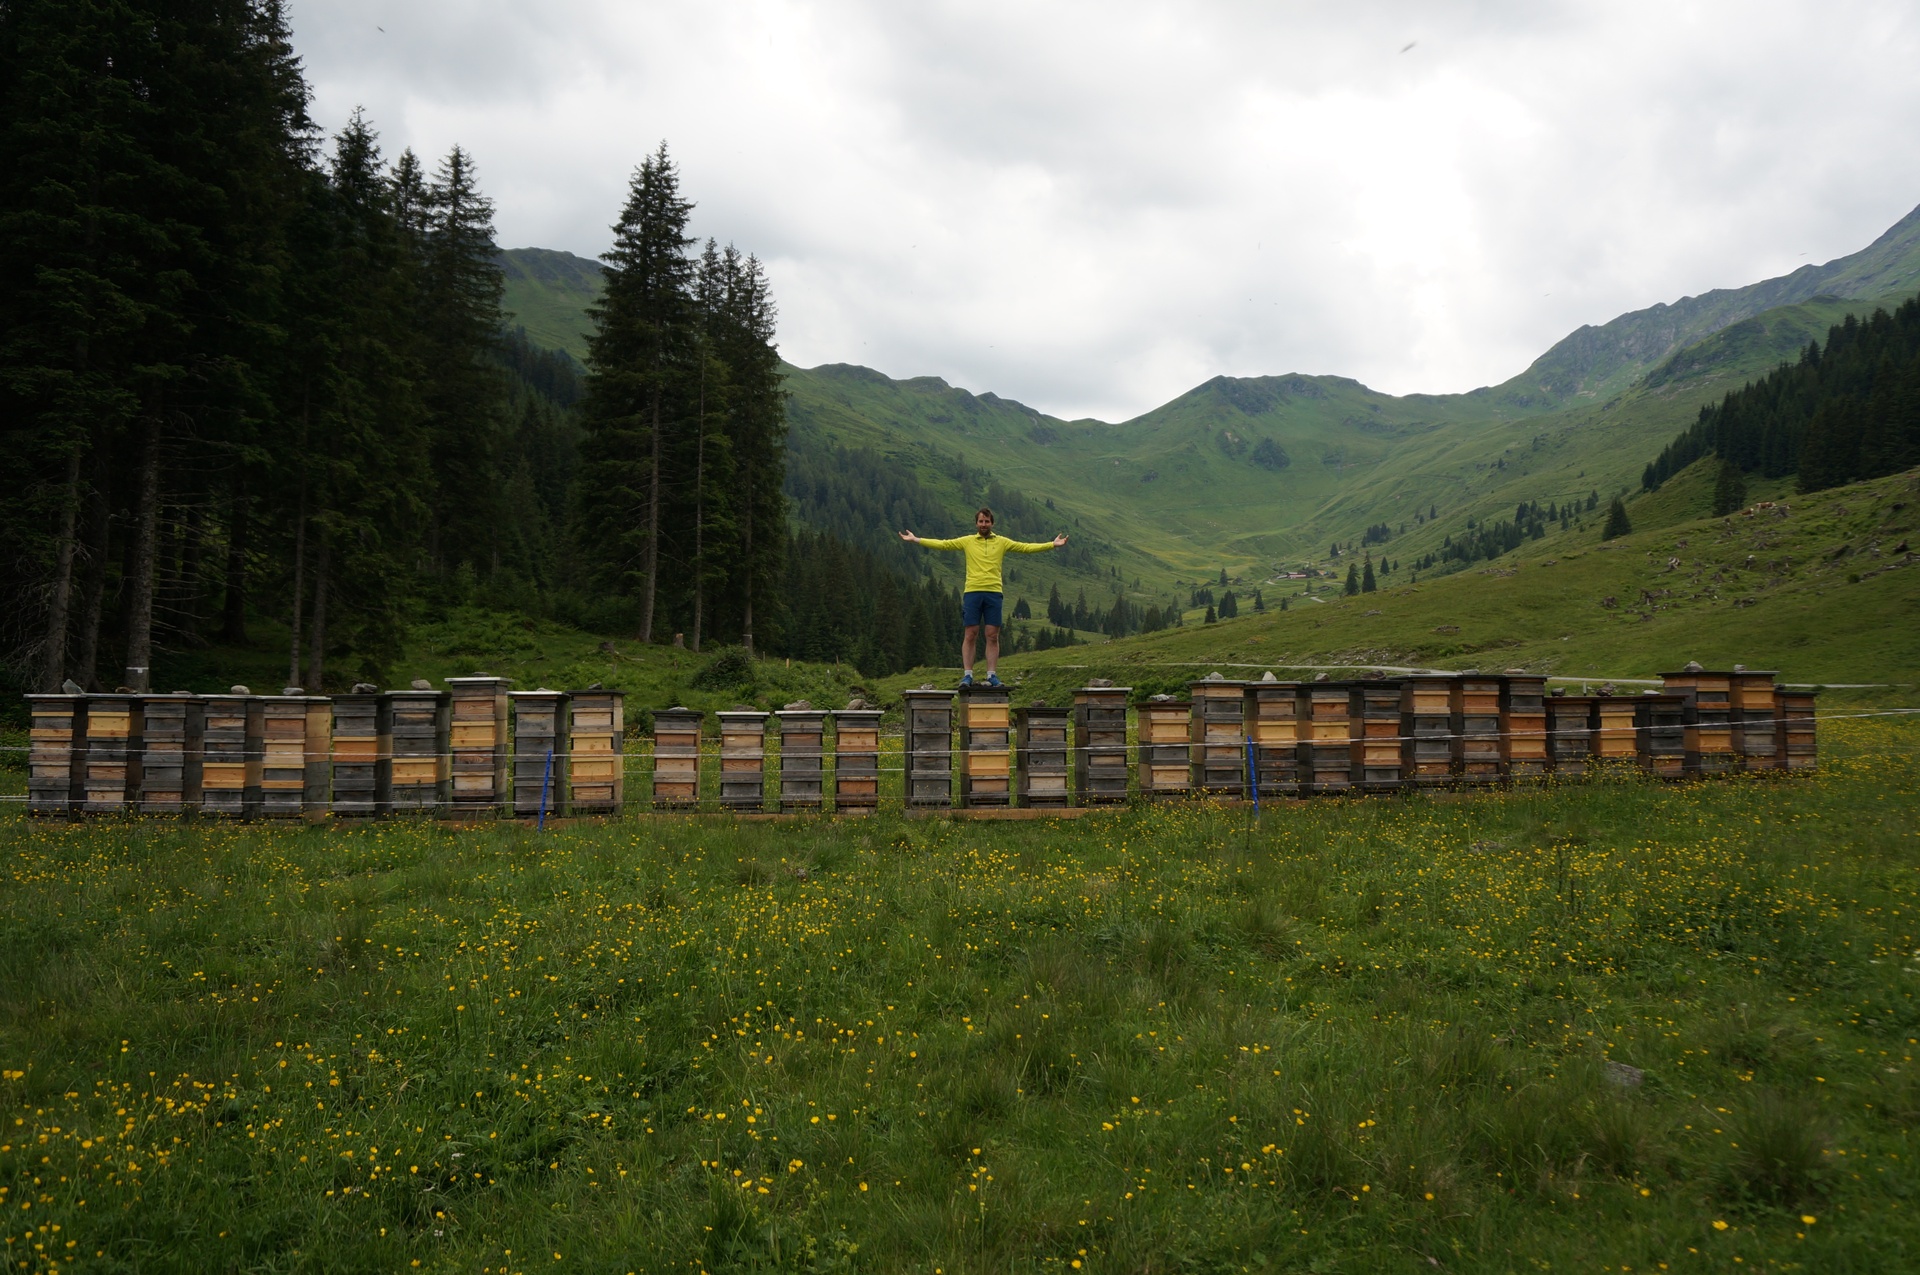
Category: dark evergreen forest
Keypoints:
(257, 380)
(1847, 411)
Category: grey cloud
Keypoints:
(1092, 207)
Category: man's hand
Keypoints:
(1060, 540)
(910, 538)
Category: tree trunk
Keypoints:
(99, 541)
(700, 506)
(653, 529)
(317, 648)
(233, 620)
(139, 656)
(53, 659)
(191, 541)
(299, 584)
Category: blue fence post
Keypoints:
(546, 781)
(1253, 778)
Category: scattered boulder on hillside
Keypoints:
(800, 706)
(421, 684)
(237, 689)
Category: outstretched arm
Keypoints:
(926, 543)
(1038, 546)
(910, 538)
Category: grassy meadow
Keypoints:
(1607, 1026)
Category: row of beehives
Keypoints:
(450, 752)
(445, 752)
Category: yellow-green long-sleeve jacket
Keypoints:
(983, 557)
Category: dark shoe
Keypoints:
(966, 678)
(993, 679)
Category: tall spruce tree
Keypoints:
(641, 364)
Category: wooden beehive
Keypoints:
(170, 730)
(1327, 756)
(1660, 734)
(803, 738)
(1426, 729)
(1273, 724)
(56, 744)
(112, 758)
(1523, 725)
(929, 749)
(676, 758)
(1477, 755)
(1375, 758)
(1709, 696)
(1166, 728)
(1043, 757)
(539, 752)
(1754, 720)
(294, 741)
(986, 747)
(477, 744)
(362, 755)
(596, 752)
(856, 760)
(743, 759)
(418, 766)
(1100, 744)
(1615, 738)
(1794, 729)
(1570, 732)
(230, 754)
(1218, 728)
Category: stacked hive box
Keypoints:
(1755, 710)
(1476, 729)
(55, 746)
(1426, 730)
(170, 752)
(1709, 698)
(1615, 738)
(596, 756)
(1100, 744)
(1376, 755)
(230, 754)
(362, 753)
(539, 752)
(856, 760)
(294, 730)
(1042, 754)
(1660, 734)
(803, 737)
(112, 757)
(986, 747)
(743, 759)
(1327, 756)
(676, 758)
(1166, 728)
(417, 766)
(1794, 729)
(1523, 724)
(1219, 726)
(1570, 732)
(929, 749)
(1273, 723)
(477, 741)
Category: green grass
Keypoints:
(1358, 1035)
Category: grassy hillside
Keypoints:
(548, 292)
(1825, 588)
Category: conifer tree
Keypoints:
(1617, 524)
(1353, 579)
(1729, 490)
(640, 362)
(1367, 583)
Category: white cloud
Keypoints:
(1093, 207)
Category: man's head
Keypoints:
(983, 521)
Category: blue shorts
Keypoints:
(980, 608)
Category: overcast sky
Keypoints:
(1092, 207)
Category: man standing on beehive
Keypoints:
(980, 601)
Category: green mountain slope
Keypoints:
(1824, 588)
(548, 292)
